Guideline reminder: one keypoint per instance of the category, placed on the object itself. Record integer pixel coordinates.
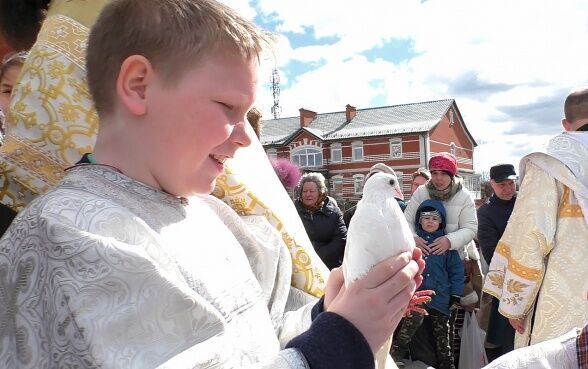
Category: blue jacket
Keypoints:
(443, 273)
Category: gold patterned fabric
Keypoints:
(53, 122)
(538, 270)
(250, 186)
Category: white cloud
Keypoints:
(495, 58)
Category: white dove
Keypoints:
(377, 231)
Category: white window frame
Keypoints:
(396, 143)
(338, 179)
(336, 147)
(356, 145)
(451, 118)
(272, 153)
(358, 180)
(317, 163)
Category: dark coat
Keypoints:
(443, 273)
(6, 217)
(492, 219)
(326, 230)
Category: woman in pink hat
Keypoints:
(447, 186)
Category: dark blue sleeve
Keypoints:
(455, 271)
(317, 308)
(333, 342)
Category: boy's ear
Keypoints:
(135, 74)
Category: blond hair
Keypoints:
(173, 35)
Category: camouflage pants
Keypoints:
(440, 324)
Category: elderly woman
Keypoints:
(322, 219)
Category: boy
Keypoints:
(112, 268)
(444, 274)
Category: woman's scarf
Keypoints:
(443, 195)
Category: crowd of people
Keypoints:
(128, 244)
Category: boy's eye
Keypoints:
(225, 105)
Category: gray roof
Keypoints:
(381, 121)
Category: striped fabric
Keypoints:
(582, 348)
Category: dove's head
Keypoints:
(382, 184)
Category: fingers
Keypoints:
(335, 285)
(425, 249)
(384, 270)
(518, 325)
(399, 302)
(402, 283)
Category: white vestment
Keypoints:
(104, 271)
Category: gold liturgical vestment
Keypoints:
(538, 271)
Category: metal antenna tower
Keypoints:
(275, 80)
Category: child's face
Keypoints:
(430, 223)
(6, 84)
(198, 123)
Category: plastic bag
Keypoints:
(471, 352)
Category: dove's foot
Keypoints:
(419, 298)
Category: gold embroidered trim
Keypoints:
(530, 274)
(304, 275)
(23, 155)
(567, 209)
(66, 36)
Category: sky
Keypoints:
(508, 64)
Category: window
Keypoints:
(358, 183)
(272, 154)
(336, 153)
(396, 149)
(357, 151)
(308, 157)
(452, 148)
(451, 121)
(337, 184)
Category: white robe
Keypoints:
(104, 271)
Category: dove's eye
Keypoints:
(392, 182)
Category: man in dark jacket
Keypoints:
(492, 219)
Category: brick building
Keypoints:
(344, 145)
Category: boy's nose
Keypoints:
(240, 136)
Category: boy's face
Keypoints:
(198, 123)
(430, 223)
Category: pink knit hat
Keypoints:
(444, 161)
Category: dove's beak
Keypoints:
(398, 194)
